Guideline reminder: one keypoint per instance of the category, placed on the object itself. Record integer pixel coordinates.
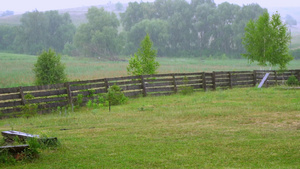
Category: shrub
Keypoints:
(48, 69)
(186, 89)
(292, 81)
(115, 96)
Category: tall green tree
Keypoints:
(39, 31)
(267, 41)
(48, 69)
(156, 28)
(143, 62)
(98, 37)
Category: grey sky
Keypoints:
(42, 5)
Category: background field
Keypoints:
(16, 70)
(239, 128)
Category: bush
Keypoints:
(115, 96)
(292, 81)
(48, 69)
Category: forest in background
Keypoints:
(178, 29)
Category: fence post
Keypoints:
(214, 80)
(23, 101)
(143, 86)
(69, 93)
(254, 78)
(298, 72)
(175, 85)
(106, 84)
(230, 80)
(204, 81)
(275, 73)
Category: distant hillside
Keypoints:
(77, 14)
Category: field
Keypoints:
(238, 128)
(16, 70)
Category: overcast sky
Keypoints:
(42, 5)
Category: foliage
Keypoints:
(293, 81)
(48, 69)
(33, 151)
(43, 30)
(267, 41)
(143, 62)
(186, 89)
(115, 96)
(29, 109)
(98, 37)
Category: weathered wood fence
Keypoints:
(51, 96)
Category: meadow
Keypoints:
(16, 69)
(238, 128)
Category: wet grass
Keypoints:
(238, 128)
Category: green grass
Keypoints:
(16, 69)
(239, 128)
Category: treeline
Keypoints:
(198, 28)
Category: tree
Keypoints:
(143, 62)
(267, 41)
(289, 20)
(39, 31)
(48, 69)
(98, 37)
(156, 28)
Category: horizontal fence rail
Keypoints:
(48, 97)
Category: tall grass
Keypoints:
(239, 128)
(16, 70)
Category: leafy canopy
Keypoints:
(48, 69)
(267, 41)
(143, 62)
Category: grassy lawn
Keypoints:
(16, 70)
(238, 128)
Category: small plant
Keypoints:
(89, 104)
(292, 81)
(115, 96)
(186, 89)
(91, 93)
(33, 151)
(79, 100)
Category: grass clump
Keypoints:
(292, 81)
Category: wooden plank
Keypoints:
(86, 81)
(15, 149)
(121, 83)
(48, 93)
(53, 105)
(176, 74)
(87, 87)
(160, 89)
(135, 93)
(10, 110)
(123, 78)
(10, 96)
(9, 90)
(69, 93)
(10, 104)
(159, 84)
(45, 87)
(188, 78)
(242, 83)
(132, 87)
(158, 80)
(188, 83)
(85, 93)
(41, 100)
(222, 80)
(214, 81)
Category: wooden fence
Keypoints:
(51, 96)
